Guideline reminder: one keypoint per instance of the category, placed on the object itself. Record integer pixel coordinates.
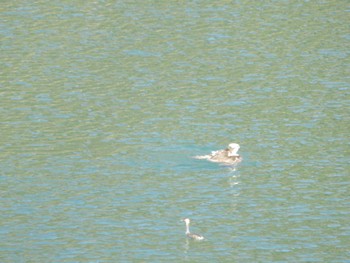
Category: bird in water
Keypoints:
(188, 233)
(228, 156)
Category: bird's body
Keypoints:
(194, 236)
(227, 156)
(188, 233)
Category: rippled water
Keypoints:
(103, 104)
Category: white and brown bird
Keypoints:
(228, 156)
(188, 233)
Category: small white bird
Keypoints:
(228, 156)
(188, 233)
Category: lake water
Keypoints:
(103, 104)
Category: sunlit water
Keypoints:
(103, 104)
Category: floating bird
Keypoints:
(188, 233)
(228, 156)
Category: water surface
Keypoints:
(103, 103)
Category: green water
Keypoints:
(103, 103)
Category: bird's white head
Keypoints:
(233, 147)
(186, 220)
